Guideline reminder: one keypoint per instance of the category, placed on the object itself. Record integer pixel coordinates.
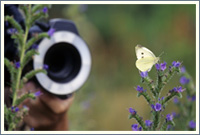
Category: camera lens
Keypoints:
(64, 62)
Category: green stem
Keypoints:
(140, 121)
(156, 120)
(149, 82)
(148, 99)
(21, 60)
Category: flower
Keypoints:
(175, 100)
(6, 23)
(140, 89)
(184, 80)
(17, 64)
(163, 66)
(148, 123)
(35, 46)
(135, 127)
(157, 66)
(161, 99)
(45, 66)
(38, 93)
(132, 111)
(192, 124)
(51, 32)
(144, 74)
(176, 64)
(169, 127)
(16, 109)
(32, 129)
(169, 117)
(183, 69)
(193, 97)
(174, 114)
(157, 107)
(178, 89)
(45, 10)
(12, 31)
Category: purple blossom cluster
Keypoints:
(161, 66)
(148, 123)
(178, 89)
(176, 64)
(144, 74)
(169, 117)
(184, 80)
(132, 111)
(140, 89)
(135, 127)
(14, 109)
(157, 107)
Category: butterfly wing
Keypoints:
(146, 63)
(142, 52)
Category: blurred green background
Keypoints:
(112, 32)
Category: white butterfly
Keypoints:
(145, 58)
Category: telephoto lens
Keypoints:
(68, 59)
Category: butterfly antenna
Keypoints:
(161, 54)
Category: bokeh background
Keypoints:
(112, 32)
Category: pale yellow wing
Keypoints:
(145, 64)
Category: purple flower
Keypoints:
(132, 111)
(135, 127)
(144, 74)
(169, 117)
(140, 89)
(178, 89)
(175, 100)
(45, 66)
(17, 64)
(16, 109)
(12, 31)
(163, 66)
(193, 97)
(184, 80)
(176, 64)
(6, 23)
(32, 129)
(174, 114)
(157, 66)
(157, 107)
(38, 93)
(183, 69)
(152, 106)
(51, 32)
(45, 10)
(148, 123)
(169, 127)
(192, 124)
(35, 46)
(161, 99)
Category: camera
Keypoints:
(65, 52)
(67, 56)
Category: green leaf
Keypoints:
(35, 39)
(179, 95)
(39, 7)
(130, 116)
(23, 97)
(32, 73)
(14, 23)
(28, 56)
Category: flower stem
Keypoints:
(140, 121)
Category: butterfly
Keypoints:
(145, 58)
